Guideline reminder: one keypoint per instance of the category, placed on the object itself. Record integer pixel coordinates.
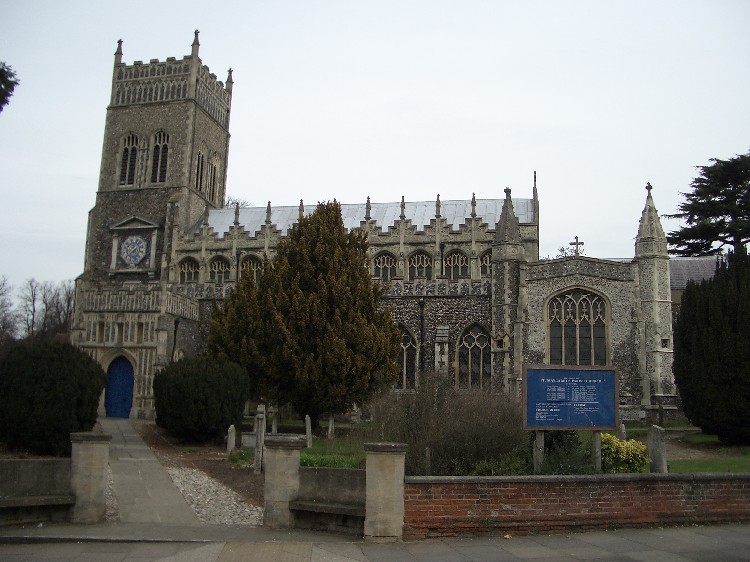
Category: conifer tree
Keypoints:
(712, 355)
(314, 328)
(716, 211)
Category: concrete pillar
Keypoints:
(88, 475)
(282, 479)
(384, 503)
(657, 449)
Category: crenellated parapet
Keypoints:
(162, 81)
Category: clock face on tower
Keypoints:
(133, 249)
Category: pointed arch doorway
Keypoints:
(118, 396)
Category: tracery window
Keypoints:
(407, 360)
(485, 264)
(129, 159)
(456, 265)
(252, 266)
(218, 271)
(474, 360)
(577, 328)
(384, 266)
(420, 265)
(159, 156)
(189, 270)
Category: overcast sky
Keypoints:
(345, 99)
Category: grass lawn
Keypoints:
(719, 464)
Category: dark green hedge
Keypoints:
(49, 390)
(197, 399)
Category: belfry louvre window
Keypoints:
(129, 159)
(474, 363)
(384, 266)
(456, 265)
(420, 265)
(407, 361)
(189, 271)
(577, 329)
(159, 156)
(218, 271)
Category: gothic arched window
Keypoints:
(577, 328)
(159, 155)
(189, 270)
(218, 271)
(252, 266)
(128, 161)
(407, 361)
(456, 265)
(474, 363)
(420, 266)
(200, 164)
(384, 266)
(485, 264)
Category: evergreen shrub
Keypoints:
(623, 456)
(197, 399)
(49, 391)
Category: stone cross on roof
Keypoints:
(575, 245)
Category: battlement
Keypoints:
(159, 81)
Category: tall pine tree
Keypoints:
(314, 329)
(712, 351)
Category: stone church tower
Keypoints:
(164, 162)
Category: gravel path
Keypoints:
(213, 502)
(210, 500)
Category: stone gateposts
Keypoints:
(282, 478)
(384, 488)
(384, 504)
(88, 476)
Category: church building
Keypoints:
(473, 300)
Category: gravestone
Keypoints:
(308, 431)
(657, 449)
(231, 439)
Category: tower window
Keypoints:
(577, 329)
(128, 161)
(159, 157)
(200, 164)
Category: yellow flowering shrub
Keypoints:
(623, 456)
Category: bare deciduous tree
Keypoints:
(8, 314)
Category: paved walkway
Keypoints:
(157, 524)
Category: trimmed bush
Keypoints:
(197, 399)
(623, 456)
(49, 390)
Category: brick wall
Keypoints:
(445, 506)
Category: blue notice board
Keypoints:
(570, 398)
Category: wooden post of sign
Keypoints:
(596, 451)
(538, 451)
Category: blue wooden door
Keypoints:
(118, 397)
